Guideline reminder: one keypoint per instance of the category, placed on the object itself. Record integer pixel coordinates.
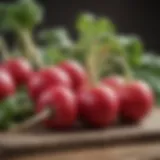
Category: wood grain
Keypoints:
(147, 151)
(26, 143)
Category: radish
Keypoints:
(55, 76)
(20, 69)
(62, 103)
(1, 66)
(7, 86)
(56, 108)
(136, 97)
(98, 106)
(115, 82)
(35, 85)
(137, 101)
(45, 78)
(76, 71)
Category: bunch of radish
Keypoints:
(67, 92)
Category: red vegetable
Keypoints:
(45, 78)
(55, 76)
(115, 82)
(98, 106)
(1, 66)
(137, 101)
(62, 103)
(76, 72)
(20, 69)
(7, 86)
(36, 85)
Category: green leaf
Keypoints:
(152, 79)
(7, 111)
(20, 107)
(90, 27)
(88, 23)
(57, 45)
(92, 30)
(105, 24)
(15, 109)
(84, 22)
(133, 48)
(24, 14)
(4, 25)
(9, 105)
(151, 62)
(149, 71)
(57, 37)
(52, 55)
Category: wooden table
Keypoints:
(148, 151)
(140, 142)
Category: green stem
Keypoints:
(4, 50)
(102, 59)
(95, 60)
(91, 65)
(29, 48)
(127, 69)
(32, 121)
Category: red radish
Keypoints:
(36, 85)
(98, 106)
(7, 86)
(55, 108)
(45, 78)
(77, 73)
(1, 66)
(55, 76)
(115, 82)
(62, 103)
(20, 69)
(137, 101)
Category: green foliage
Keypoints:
(149, 71)
(144, 66)
(57, 37)
(92, 27)
(133, 48)
(7, 110)
(52, 55)
(92, 30)
(14, 109)
(22, 14)
(56, 45)
(3, 17)
(24, 106)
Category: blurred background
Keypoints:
(130, 16)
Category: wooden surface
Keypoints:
(147, 151)
(29, 143)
